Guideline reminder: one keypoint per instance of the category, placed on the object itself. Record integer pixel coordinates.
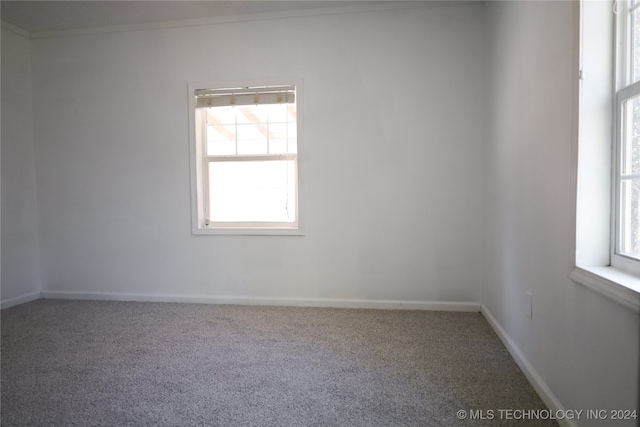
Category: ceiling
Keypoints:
(43, 16)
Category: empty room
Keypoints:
(341, 213)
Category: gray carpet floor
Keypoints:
(86, 363)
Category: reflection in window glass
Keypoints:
(252, 129)
(252, 114)
(221, 116)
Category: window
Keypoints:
(245, 159)
(608, 125)
(626, 157)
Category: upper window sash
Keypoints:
(628, 42)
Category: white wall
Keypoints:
(20, 273)
(393, 141)
(583, 346)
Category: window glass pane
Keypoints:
(292, 116)
(221, 140)
(252, 129)
(221, 115)
(252, 139)
(634, 34)
(282, 138)
(252, 113)
(257, 191)
(630, 217)
(630, 149)
(292, 141)
(278, 113)
(277, 146)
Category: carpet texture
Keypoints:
(86, 363)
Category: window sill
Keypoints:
(247, 232)
(611, 282)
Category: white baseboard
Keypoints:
(534, 378)
(22, 299)
(294, 302)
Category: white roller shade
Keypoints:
(206, 98)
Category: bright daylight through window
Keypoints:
(244, 146)
(627, 154)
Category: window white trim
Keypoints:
(593, 129)
(199, 166)
(611, 282)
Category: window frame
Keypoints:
(199, 165)
(624, 90)
(593, 154)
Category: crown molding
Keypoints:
(335, 10)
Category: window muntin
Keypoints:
(246, 149)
